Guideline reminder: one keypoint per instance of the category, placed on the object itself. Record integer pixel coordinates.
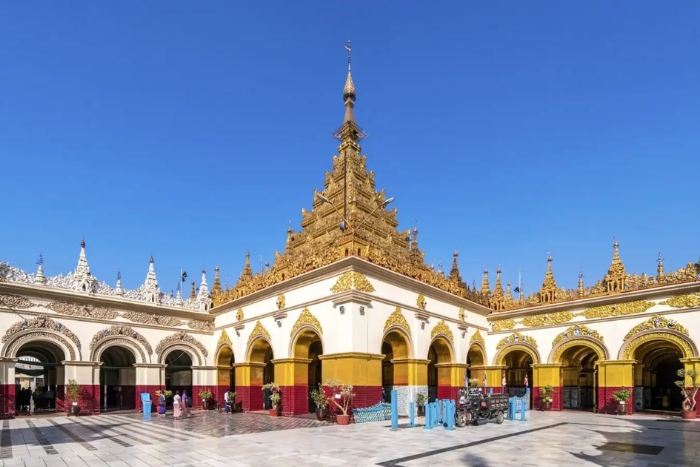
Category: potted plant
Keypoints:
(232, 401)
(622, 396)
(73, 396)
(546, 394)
(275, 398)
(205, 395)
(421, 399)
(319, 398)
(689, 393)
(342, 396)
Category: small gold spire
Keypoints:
(548, 292)
(485, 288)
(581, 289)
(660, 268)
(216, 288)
(193, 292)
(247, 269)
(616, 278)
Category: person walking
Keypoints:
(227, 402)
(161, 403)
(177, 406)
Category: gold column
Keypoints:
(411, 372)
(691, 363)
(356, 368)
(614, 375)
(451, 374)
(291, 371)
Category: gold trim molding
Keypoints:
(306, 318)
(516, 338)
(476, 338)
(259, 331)
(224, 339)
(683, 301)
(657, 322)
(396, 318)
(352, 280)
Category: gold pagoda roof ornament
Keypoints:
(548, 292)
(349, 217)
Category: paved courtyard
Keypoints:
(212, 439)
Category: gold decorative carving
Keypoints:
(223, 338)
(179, 338)
(120, 330)
(617, 309)
(683, 301)
(281, 302)
(616, 281)
(628, 352)
(547, 318)
(352, 280)
(146, 318)
(240, 315)
(477, 338)
(442, 328)
(83, 311)
(259, 331)
(576, 342)
(575, 331)
(462, 315)
(200, 325)
(516, 338)
(657, 322)
(420, 302)
(15, 301)
(396, 318)
(306, 318)
(38, 323)
(503, 324)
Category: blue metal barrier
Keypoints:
(394, 411)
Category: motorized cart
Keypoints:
(475, 406)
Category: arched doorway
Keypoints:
(264, 373)
(439, 352)
(579, 377)
(178, 372)
(476, 360)
(226, 376)
(518, 365)
(656, 371)
(39, 374)
(395, 365)
(117, 379)
(308, 345)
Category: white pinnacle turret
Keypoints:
(40, 278)
(84, 281)
(150, 287)
(118, 289)
(203, 298)
(178, 297)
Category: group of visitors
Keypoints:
(42, 398)
(181, 404)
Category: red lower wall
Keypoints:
(251, 397)
(449, 392)
(151, 389)
(197, 400)
(557, 402)
(7, 400)
(89, 402)
(608, 404)
(295, 400)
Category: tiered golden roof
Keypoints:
(349, 217)
(615, 281)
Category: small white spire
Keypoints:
(203, 293)
(150, 287)
(178, 297)
(118, 289)
(84, 281)
(40, 270)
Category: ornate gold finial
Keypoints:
(240, 315)
(223, 338)
(349, 89)
(660, 268)
(216, 288)
(616, 278)
(548, 292)
(281, 302)
(581, 289)
(396, 318)
(352, 280)
(193, 292)
(461, 314)
(485, 288)
(420, 302)
(498, 297)
(509, 294)
(306, 318)
(247, 269)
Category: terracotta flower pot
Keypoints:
(343, 419)
(74, 410)
(689, 414)
(547, 406)
(273, 412)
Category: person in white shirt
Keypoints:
(227, 402)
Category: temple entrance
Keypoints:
(655, 374)
(39, 377)
(395, 348)
(580, 377)
(178, 373)
(261, 353)
(308, 346)
(518, 366)
(117, 379)
(226, 376)
(438, 353)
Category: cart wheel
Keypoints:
(499, 417)
(462, 418)
(472, 418)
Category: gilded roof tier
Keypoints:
(350, 217)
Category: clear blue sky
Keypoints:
(195, 130)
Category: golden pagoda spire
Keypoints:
(660, 268)
(193, 292)
(247, 269)
(581, 289)
(454, 272)
(616, 278)
(548, 292)
(509, 293)
(216, 288)
(498, 288)
(485, 288)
